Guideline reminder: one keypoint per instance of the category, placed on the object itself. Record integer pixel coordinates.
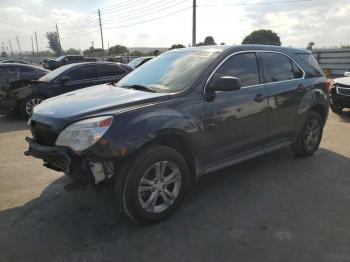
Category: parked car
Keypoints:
(65, 60)
(347, 74)
(23, 97)
(137, 62)
(24, 71)
(19, 73)
(339, 94)
(187, 112)
(10, 61)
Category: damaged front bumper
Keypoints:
(82, 170)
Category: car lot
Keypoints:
(272, 208)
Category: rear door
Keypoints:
(79, 77)
(236, 121)
(109, 72)
(284, 81)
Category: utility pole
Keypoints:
(3, 46)
(19, 47)
(194, 23)
(99, 19)
(10, 47)
(33, 53)
(36, 42)
(59, 40)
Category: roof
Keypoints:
(221, 48)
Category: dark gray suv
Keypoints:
(184, 113)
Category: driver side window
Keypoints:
(243, 66)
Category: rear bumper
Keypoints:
(53, 157)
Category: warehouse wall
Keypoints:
(337, 60)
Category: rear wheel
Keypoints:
(28, 105)
(156, 181)
(310, 135)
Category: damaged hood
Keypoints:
(343, 81)
(61, 110)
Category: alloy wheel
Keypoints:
(159, 187)
(31, 104)
(312, 134)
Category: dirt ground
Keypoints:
(271, 208)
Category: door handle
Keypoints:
(259, 98)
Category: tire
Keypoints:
(143, 184)
(28, 104)
(335, 107)
(310, 135)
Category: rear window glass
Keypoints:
(110, 70)
(314, 70)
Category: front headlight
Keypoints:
(83, 134)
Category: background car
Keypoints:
(339, 94)
(24, 71)
(137, 62)
(15, 61)
(65, 60)
(24, 98)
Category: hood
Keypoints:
(61, 110)
(343, 81)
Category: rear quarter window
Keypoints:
(312, 68)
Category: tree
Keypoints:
(222, 43)
(310, 45)
(53, 42)
(118, 50)
(72, 51)
(3, 54)
(137, 53)
(93, 52)
(209, 40)
(46, 53)
(262, 37)
(176, 46)
(200, 44)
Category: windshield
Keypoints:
(170, 72)
(55, 73)
(135, 62)
(59, 59)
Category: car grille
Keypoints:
(343, 90)
(43, 134)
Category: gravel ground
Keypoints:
(271, 208)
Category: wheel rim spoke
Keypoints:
(151, 202)
(172, 178)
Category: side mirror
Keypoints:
(225, 83)
(64, 79)
(347, 74)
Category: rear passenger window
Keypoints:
(110, 70)
(313, 70)
(277, 67)
(243, 66)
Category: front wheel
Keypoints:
(335, 107)
(28, 105)
(156, 181)
(310, 135)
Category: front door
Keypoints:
(79, 77)
(236, 121)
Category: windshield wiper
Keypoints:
(141, 88)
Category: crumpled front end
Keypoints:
(84, 168)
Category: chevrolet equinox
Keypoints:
(185, 113)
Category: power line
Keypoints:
(259, 3)
(149, 20)
(134, 15)
(123, 4)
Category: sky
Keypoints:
(161, 23)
